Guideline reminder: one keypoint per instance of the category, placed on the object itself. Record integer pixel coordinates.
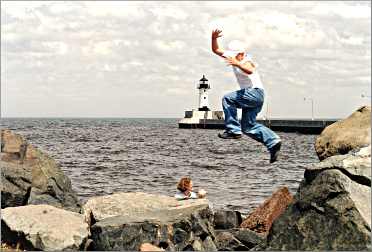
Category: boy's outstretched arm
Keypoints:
(215, 48)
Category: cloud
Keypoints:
(168, 46)
(22, 9)
(63, 7)
(164, 11)
(56, 47)
(272, 29)
(350, 40)
(123, 52)
(342, 9)
(117, 9)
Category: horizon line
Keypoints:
(179, 118)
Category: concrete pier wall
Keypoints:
(285, 125)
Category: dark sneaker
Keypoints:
(274, 152)
(227, 135)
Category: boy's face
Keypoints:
(189, 188)
(239, 56)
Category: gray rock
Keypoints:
(136, 218)
(225, 241)
(43, 227)
(357, 170)
(225, 219)
(345, 135)
(248, 237)
(31, 177)
(331, 211)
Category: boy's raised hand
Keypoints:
(216, 34)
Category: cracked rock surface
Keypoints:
(331, 210)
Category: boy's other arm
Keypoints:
(247, 67)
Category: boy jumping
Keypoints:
(249, 98)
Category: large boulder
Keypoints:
(43, 227)
(332, 208)
(261, 219)
(31, 177)
(342, 136)
(124, 221)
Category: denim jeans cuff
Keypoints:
(274, 143)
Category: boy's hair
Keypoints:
(183, 184)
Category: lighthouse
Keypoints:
(203, 87)
(204, 117)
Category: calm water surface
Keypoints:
(103, 156)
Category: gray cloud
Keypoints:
(141, 59)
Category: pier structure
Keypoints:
(307, 126)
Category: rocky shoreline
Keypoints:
(330, 211)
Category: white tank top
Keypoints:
(245, 80)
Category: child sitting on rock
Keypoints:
(184, 187)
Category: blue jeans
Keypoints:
(250, 100)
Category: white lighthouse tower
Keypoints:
(204, 117)
(203, 87)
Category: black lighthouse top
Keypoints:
(203, 83)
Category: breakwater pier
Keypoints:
(215, 121)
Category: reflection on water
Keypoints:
(102, 156)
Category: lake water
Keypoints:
(103, 156)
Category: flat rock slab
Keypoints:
(161, 216)
(43, 227)
(136, 205)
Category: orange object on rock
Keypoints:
(149, 247)
(261, 219)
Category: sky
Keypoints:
(144, 59)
